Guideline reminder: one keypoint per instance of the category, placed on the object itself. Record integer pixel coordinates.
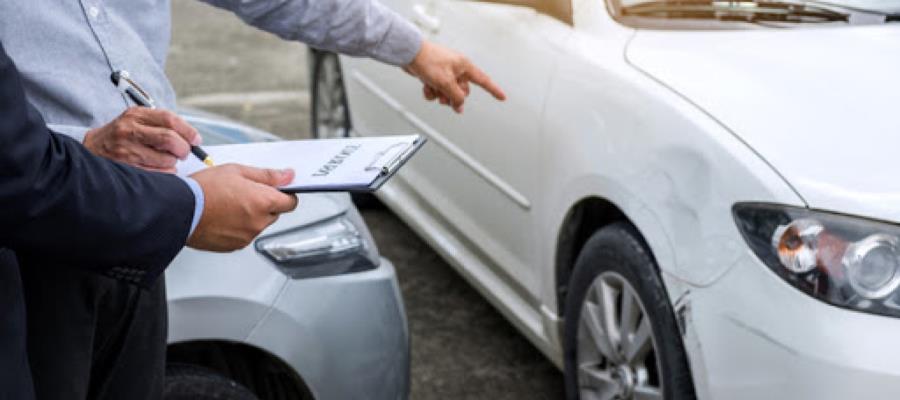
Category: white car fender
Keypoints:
(666, 174)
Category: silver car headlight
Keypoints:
(330, 247)
(846, 261)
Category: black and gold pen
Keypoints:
(129, 87)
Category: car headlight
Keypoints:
(846, 261)
(334, 246)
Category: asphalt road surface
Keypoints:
(461, 347)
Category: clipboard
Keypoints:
(357, 165)
(392, 163)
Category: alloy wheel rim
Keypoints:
(616, 348)
(331, 121)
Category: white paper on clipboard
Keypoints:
(321, 165)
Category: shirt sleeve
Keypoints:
(352, 27)
(72, 131)
(199, 201)
(78, 133)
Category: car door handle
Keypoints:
(423, 19)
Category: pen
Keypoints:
(128, 86)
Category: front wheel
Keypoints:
(190, 382)
(621, 337)
(330, 113)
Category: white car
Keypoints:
(679, 199)
(310, 311)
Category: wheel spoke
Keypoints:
(324, 106)
(607, 301)
(327, 68)
(638, 346)
(591, 377)
(630, 313)
(337, 116)
(591, 318)
(587, 394)
(337, 92)
(647, 393)
(597, 384)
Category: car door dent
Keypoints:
(439, 139)
(712, 117)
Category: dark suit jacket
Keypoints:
(61, 204)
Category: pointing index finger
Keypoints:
(478, 77)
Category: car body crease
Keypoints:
(710, 116)
(268, 311)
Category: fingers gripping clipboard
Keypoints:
(359, 165)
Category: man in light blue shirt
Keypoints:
(66, 51)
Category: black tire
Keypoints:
(322, 60)
(190, 382)
(618, 251)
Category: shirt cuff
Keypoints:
(401, 42)
(198, 201)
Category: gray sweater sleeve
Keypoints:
(352, 27)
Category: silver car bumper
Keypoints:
(345, 335)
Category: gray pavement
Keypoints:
(461, 347)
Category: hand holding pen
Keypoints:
(145, 137)
(129, 87)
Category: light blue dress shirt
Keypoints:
(67, 49)
(199, 201)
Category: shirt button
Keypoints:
(94, 11)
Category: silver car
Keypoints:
(310, 311)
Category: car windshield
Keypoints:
(882, 6)
(764, 11)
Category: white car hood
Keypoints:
(821, 105)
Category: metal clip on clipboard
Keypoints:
(394, 162)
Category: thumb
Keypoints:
(270, 177)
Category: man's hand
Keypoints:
(146, 138)
(239, 203)
(446, 75)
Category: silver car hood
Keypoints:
(819, 105)
(312, 207)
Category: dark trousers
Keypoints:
(93, 337)
(15, 376)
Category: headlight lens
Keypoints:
(334, 246)
(846, 261)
